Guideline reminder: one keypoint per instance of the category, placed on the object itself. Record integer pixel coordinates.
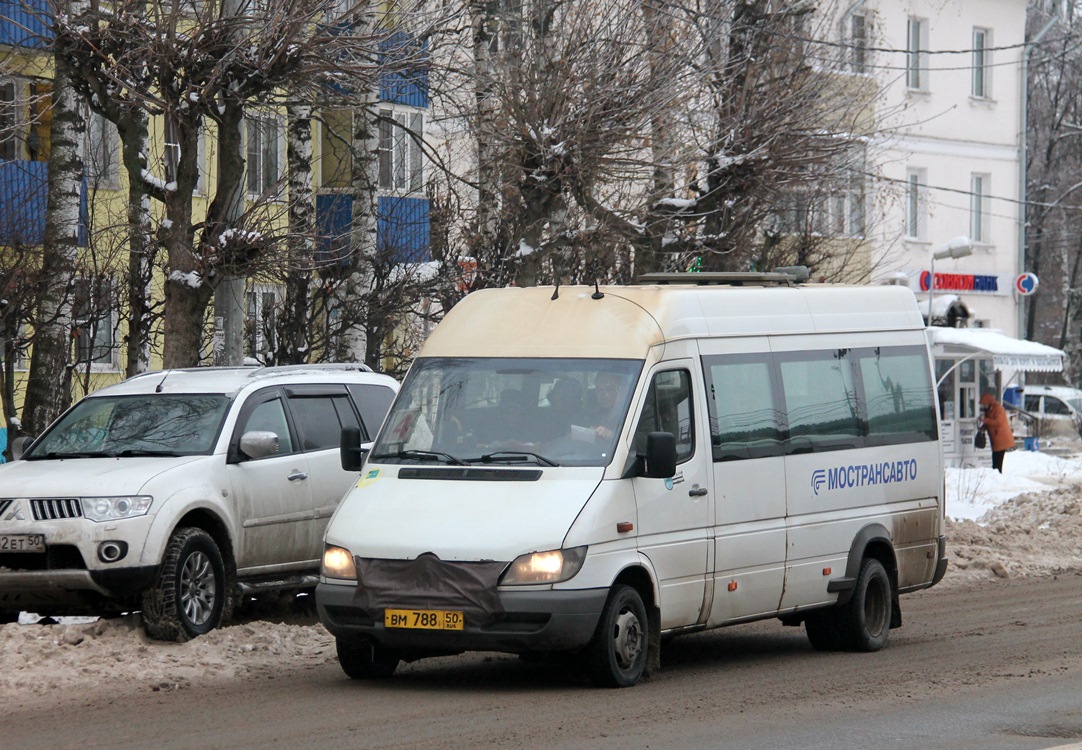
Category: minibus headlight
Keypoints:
(338, 563)
(552, 566)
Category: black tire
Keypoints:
(192, 595)
(366, 661)
(7, 618)
(821, 627)
(865, 620)
(616, 657)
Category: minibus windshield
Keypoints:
(454, 411)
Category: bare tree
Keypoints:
(653, 136)
(1054, 193)
(48, 390)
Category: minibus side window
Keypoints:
(822, 401)
(898, 394)
(668, 408)
(744, 416)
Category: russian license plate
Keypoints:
(423, 619)
(22, 542)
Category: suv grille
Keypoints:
(4, 505)
(52, 509)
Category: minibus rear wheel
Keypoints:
(617, 653)
(865, 620)
(366, 661)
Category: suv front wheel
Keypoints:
(191, 596)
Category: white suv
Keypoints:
(173, 492)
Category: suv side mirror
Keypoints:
(660, 455)
(19, 446)
(351, 451)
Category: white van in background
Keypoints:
(588, 470)
(1057, 408)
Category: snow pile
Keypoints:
(1024, 522)
(41, 660)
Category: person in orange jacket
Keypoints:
(994, 421)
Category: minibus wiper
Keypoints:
(413, 453)
(510, 456)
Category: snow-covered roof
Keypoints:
(1007, 352)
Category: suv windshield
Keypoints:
(508, 411)
(148, 425)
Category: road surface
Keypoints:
(995, 665)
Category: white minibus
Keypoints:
(592, 470)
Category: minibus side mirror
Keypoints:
(660, 455)
(351, 451)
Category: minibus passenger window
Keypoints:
(744, 419)
(898, 396)
(820, 397)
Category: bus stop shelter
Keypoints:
(972, 361)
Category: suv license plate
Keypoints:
(22, 542)
(423, 619)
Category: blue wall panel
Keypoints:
(407, 81)
(402, 226)
(25, 23)
(24, 193)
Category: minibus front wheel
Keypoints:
(617, 653)
(366, 661)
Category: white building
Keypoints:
(948, 151)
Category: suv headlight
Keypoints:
(114, 508)
(552, 566)
(338, 563)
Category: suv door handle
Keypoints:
(297, 475)
(697, 492)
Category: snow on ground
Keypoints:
(1024, 522)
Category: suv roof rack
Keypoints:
(787, 276)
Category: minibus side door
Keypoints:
(674, 513)
(747, 447)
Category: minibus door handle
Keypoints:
(297, 475)
(697, 491)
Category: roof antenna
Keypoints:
(556, 291)
(598, 294)
(158, 388)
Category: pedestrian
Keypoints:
(994, 421)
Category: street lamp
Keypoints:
(959, 247)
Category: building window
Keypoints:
(171, 158)
(264, 148)
(981, 63)
(978, 208)
(336, 154)
(914, 204)
(400, 152)
(916, 56)
(25, 119)
(10, 121)
(102, 151)
(94, 321)
(848, 199)
(259, 323)
(858, 43)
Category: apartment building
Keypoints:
(947, 154)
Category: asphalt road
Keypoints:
(990, 666)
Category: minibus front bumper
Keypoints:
(533, 620)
